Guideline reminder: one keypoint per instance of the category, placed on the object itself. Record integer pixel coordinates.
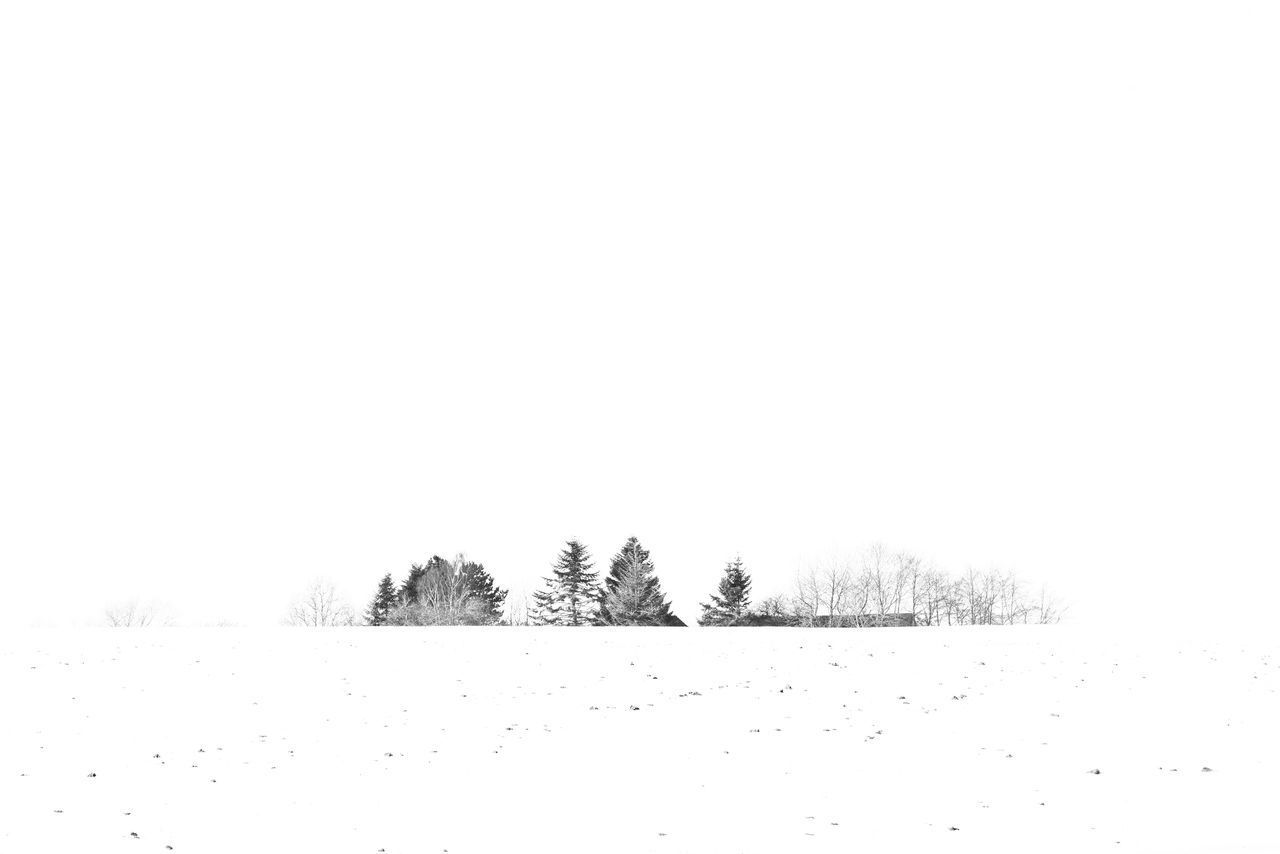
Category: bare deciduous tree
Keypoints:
(933, 598)
(806, 600)
(319, 606)
(996, 598)
(1047, 610)
(906, 580)
(827, 594)
(883, 579)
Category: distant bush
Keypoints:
(135, 615)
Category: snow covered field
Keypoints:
(461, 740)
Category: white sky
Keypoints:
(300, 289)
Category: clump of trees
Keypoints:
(440, 592)
(842, 593)
(880, 584)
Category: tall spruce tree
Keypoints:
(732, 603)
(572, 592)
(632, 594)
(383, 601)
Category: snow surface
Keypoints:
(459, 740)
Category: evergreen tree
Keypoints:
(733, 601)
(481, 586)
(617, 569)
(409, 587)
(572, 594)
(383, 601)
(632, 593)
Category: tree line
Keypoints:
(834, 593)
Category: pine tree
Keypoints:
(383, 601)
(572, 594)
(632, 594)
(733, 601)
